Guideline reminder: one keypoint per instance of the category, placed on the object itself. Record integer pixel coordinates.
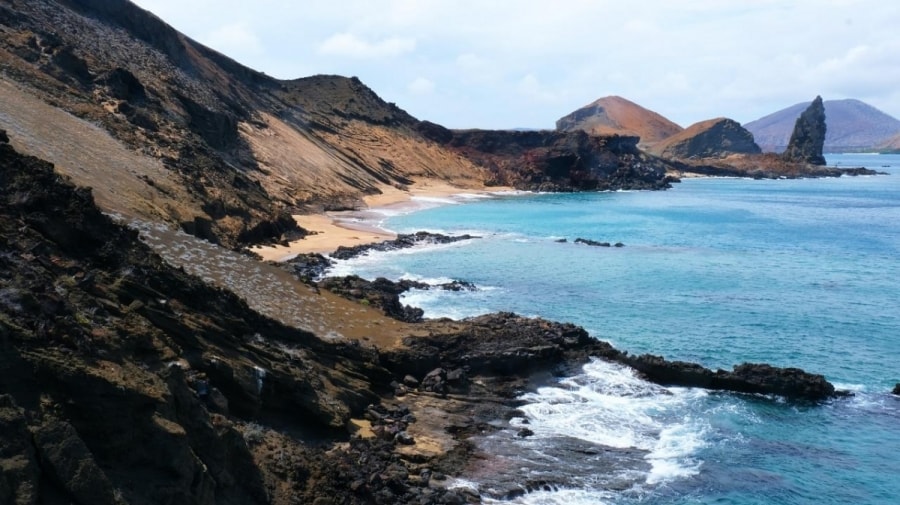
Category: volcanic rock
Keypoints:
(852, 126)
(746, 378)
(561, 161)
(403, 241)
(714, 138)
(808, 138)
(614, 115)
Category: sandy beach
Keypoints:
(349, 228)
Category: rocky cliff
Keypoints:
(808, 137)
(714, 138)
(127, 381)
(556, 161)
(614, 115)
(164, 128)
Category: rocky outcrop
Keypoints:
(557, 161)
(896, 389)
(596, 243)
(808, 138)
(136, 382)
(714, 138)
(746, 378)
(763, 166)
(852, 126)
(380, 293)
(403, 241)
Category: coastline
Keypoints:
(331, 230)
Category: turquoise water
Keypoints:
(717, 271)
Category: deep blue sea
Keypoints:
(801, 273)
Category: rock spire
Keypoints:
(808, 138)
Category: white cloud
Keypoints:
(235, 40)
(421, 86)
(689, 60)
(348, 44)
(531, 88)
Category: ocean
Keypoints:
(802, 273)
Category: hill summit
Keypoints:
(615, 115)
(713, 138)
(853, 125)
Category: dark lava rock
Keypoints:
(714, 138)
(381, 293)
(308, 267)
(594, 243)
(559, 161)
(808, 138)
(402, 241)
(896, 390)
(746, 378)
(4, 138)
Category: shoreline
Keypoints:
(331, 230)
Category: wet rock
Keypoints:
(746, 378)
(896, 390)
(591, 242)
(401, 242)
(410, 381)
(524, 432)
(380, 293)
(4, 138)
(808, 138)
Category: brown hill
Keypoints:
(713, 138)
(616, 115)
(891, 145)
(164, 128)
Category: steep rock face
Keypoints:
(853, 125)
(614, 115)
(134, 380)
(556, 161)
(808, 137)
(714, 138)
(222, 151)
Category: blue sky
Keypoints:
(525, 63)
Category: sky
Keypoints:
(498, 64)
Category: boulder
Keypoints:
(896, 390)
(808, 139)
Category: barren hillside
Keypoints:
(615, 115)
